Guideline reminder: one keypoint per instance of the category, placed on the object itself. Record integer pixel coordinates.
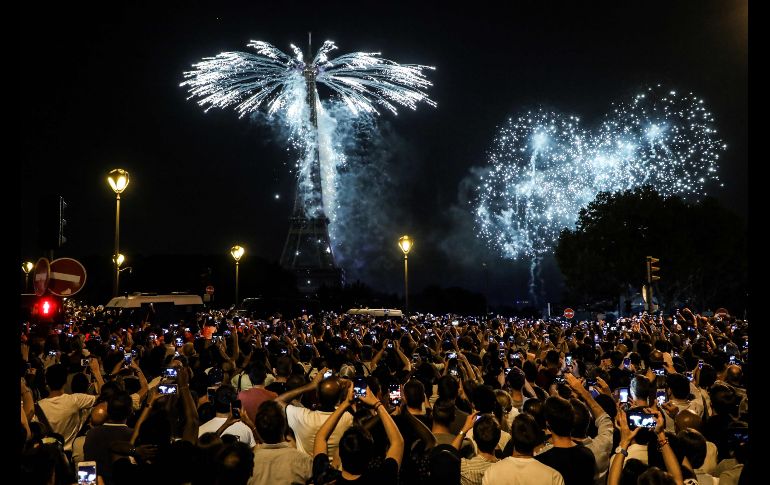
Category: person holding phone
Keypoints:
(98, 439)
(355, 448)
(224, 397)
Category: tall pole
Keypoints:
(116, 280)
(236, 283)
(406, 285)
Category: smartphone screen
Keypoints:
(626, 363)
(638, 419)
(660, 395)
(127, 358)
(451, 355)
(169, 372)
(394, 394)
(87, 473)
(623, 394)
(236, 408)
(568, 360)
(359, 387)
(167, 388)
(700, 364)
(211, 392)
(327, 374)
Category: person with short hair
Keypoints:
(223, 400)
(486, 429)
(98, 439)
(275, 461)
(234, 464)
(522, 468)
(576, 463)
(257, 394)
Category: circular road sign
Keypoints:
(42, 273)
(209, 290)
(67, 277)
(569, 313)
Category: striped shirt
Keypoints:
(472, 470)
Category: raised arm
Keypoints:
(457, 443)
(322, 436)
(396, 448)
(289, 396)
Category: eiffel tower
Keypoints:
(307, 251)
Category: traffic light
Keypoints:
(47, 308)
(651, 270)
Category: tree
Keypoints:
(701, 246)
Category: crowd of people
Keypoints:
(223, 399)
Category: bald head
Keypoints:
(687, 419)
(329, 391)
(99, 414)
(733, 375)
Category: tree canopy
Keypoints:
(701, 247)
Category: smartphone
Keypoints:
(626, 363)
(415, 357)
(167, 388)
(359, 387)
(516, 355)
(87, 473)
(659, 372)
(568, 360)
(623, 394)
(85, 362)
(732, 359)
(454, 372)
(235, 408)
(327, 374)
(700, 363)
(639, 419)
(507, 370)
(451, 355)
(660, 396)
(211, 393)
(169, 372)
(179, 341)
(390, 345)
(594, 392)
(394, 394)
(501, 345)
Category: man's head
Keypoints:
(414, 393)
(679, 385)
(724, 399)
(235, 463)
(355, 450)
(283, 366)
(329, 391)
(640, 389)
(515, 379)
(448, 387)
(582, 418)
(694, 446)
(270, 422)
(525, 434)
(444, 412)
(486, 433)
(99, 414)
(56, 377)
(257, 373)
(223, 398)
(559, 416)
(552, 359)
(734, 375)
(484, 399)
(687, 419)
(120, 407)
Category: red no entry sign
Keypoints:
(42, 273)
(67, 277)
(569, 313)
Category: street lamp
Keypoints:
(405, 243)
(118, 180)
(236, 251)
(27, 267)
(118, 263)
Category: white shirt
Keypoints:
(238, 429)
(280, 464)
(66, 414)
(634, 451)
(306, 423)
(521, 471)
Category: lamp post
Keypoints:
(118, 180)
(27, 266)
(405, 243)
(118, 263)
(236, 251)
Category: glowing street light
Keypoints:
(27, 266)
(406, 243)
(118, 180)
(236, 252)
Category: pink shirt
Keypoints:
(252, 398)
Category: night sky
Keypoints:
(99, 89)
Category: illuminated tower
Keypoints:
(307, 251)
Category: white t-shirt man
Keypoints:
(66, 414)
(238, 429)
(521, 471)
(305, 423)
